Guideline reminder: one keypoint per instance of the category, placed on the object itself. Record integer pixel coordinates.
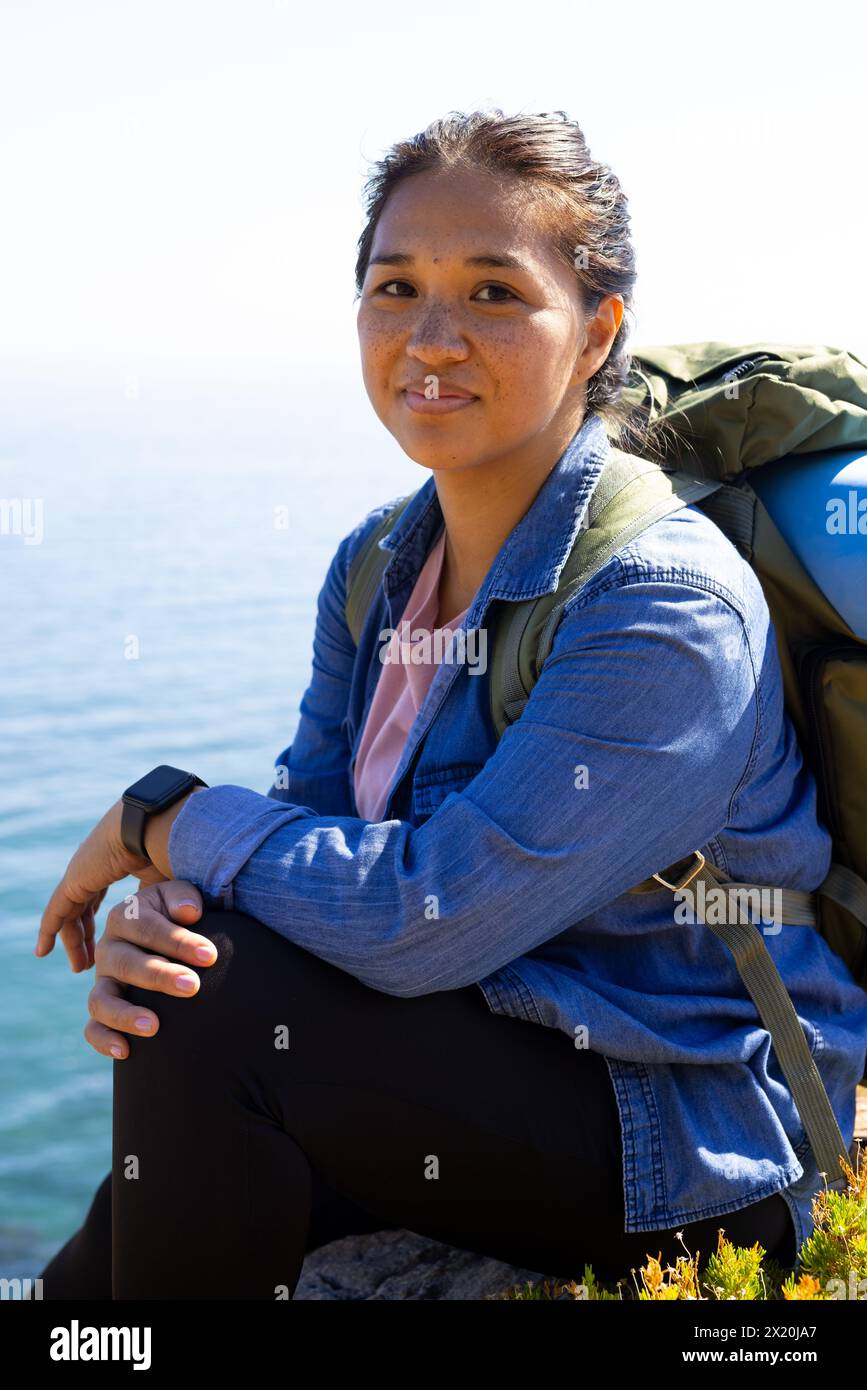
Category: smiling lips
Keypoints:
(448, 399)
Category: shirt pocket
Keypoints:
(431, 787)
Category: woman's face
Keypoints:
(464, 293)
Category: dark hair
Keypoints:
(586, 208)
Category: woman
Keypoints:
(412, 893)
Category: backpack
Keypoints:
(729, 411)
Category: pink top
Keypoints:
(400, 690)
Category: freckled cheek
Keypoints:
(524, 361)
(380, 352)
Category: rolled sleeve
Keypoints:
(629, 754)
(209, 843)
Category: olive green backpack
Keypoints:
(730, 410)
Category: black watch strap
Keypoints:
(154, 792)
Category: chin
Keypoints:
(440, 460)
(437, 443)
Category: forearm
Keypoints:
(413, 910)
(392, 904)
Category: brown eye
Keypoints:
(499, 289)
(383, 289)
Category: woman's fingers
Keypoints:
(111, 1016)
(88, 924)
(104, 1041)
(133, 965)
(181, 900)
(77, 939)
(139, 936)
(158, 919)
(62, 917)
(73, 920)
(100, 860)
(80, 939)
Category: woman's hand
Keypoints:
(100, 860)
(140, 934)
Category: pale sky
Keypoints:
(181, 180)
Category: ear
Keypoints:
(600, 330)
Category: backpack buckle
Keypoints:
(676, 887)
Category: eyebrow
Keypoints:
(488, 260)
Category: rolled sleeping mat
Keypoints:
(819, 504)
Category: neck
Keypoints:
(481, 506)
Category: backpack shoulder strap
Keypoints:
(367, 568)
(630, 495)
(765, 985)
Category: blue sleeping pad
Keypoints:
(819, 504)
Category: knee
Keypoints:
(250, 959)
(231, 934)
(248, 953)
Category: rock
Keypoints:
(392, 1265)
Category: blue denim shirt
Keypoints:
(503, 864)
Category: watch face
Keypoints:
(164, 784)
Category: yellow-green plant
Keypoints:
(833, 1262)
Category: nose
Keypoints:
(437, 334)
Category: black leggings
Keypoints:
(287, 1104)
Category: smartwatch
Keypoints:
(154, 792)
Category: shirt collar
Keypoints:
(533, 554)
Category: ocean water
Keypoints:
(165, 614)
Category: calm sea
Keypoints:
(181, 528)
